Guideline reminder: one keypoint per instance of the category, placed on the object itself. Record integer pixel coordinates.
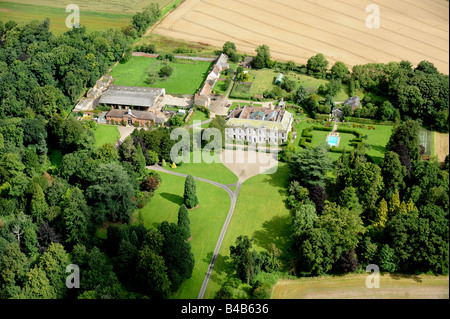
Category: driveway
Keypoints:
(184, 102)
(233, 197)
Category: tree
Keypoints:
(333, 87)
(37, 286)
(76, 216)
(54, 261)
(176, 121)
(183, 222)
(393, 173)
(303, 220)
(315, 254)
(247, 262)
(166, 71)
(317, 65)
(381, 217)
(309, 166)
(110, 194)
(263, 58)
(152, 273)
(406, 134)
(190, 192)
(300, 95)
(346, 262)
(340, 71)
(318, 197)
(344, 226)
(177, 255)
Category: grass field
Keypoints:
(94, 21)
(213, 171)
(264, 80)
(206, 223)
(186, 79)
(392, 286)
(112, 6)
(262, 215)
(106, 134)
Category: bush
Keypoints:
(166, 71)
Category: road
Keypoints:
(233, 198)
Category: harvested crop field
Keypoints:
(392, 286)
(413, 30)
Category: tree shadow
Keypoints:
(379, 148)
(176, 199)
(405, 276)
(223, 265)
(278, 178)
(275, 231)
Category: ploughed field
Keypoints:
(413, 30)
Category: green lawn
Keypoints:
(206, 223)
(235, 104)
(55, 158)
(94, 20)
(215, 171)
(260, 214)
(198, 116)
(187, 78)
(106, 134)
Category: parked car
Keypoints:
(228, 105)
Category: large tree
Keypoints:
(183, 221)
(317, 65)
(247, 262)
(111, 194)
(309, 166)
(190, 192)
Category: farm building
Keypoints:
(139, 98)
(132, 117)
(259, 124)
(279, 79)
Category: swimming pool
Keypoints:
(333, 140)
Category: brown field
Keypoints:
(354, 287)
(441, 146)
(413, 30)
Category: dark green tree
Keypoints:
(190, 193)
(183, 222)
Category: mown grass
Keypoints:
(106, 134)
(214, 171)
(187, 78)
(206, 223)
(92, 20)
(260, 214)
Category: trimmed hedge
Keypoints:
(307, 138)
(369, 121)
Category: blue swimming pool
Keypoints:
(333, 140)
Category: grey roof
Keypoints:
(140, 115)
(130, 95)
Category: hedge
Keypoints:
(369, 121)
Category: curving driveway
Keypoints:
(233, 198)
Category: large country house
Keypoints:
(259, 125)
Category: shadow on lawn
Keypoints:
(405, 276)
(275, 231)
(176, 199)
(223, 265)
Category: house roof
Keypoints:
(140, 115)
(131, 95)
(243, 118)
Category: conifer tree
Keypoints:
(190, 192)
(183, 221)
